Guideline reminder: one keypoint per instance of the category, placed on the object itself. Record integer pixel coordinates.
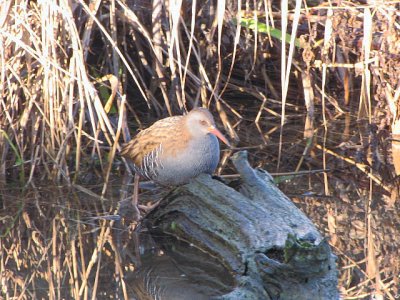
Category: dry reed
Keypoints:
(58, 114)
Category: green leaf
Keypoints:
(263, 28)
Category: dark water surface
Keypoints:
(70, 242)
(59, 242)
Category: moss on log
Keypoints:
(272, 249)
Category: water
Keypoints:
(60, 242)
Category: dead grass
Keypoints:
(72, 73)
(61, 246)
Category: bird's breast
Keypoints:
(200, 155)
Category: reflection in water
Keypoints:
(175, 270)
(57, 242)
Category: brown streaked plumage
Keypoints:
(176, 149)
(168, 132)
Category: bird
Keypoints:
(176, 149)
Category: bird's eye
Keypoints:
(203, 122)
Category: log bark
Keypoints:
(272, 249)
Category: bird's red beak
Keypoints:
(218, 134)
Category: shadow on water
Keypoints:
(60, 242)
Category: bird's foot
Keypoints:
(128, 210)
(149, 206)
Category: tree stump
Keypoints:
(272, 249)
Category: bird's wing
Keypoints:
(152, 139)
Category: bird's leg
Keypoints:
(148, 208)
(135, 196)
